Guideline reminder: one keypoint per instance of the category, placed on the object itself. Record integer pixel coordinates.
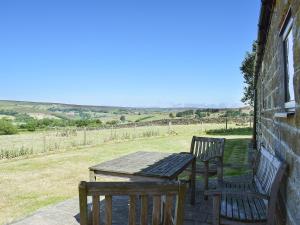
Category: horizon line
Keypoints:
(184, 106)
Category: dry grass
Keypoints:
(12, 146)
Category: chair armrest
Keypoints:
(212, 157)
(185, 153)
(219, 192)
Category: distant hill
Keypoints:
(40, 110)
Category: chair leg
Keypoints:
(220, 171)
(206, 167)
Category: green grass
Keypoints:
(28, 184)
(231, 131)
(236, 156)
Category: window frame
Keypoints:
(286, 29)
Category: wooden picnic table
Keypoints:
(148, 166)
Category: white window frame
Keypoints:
(286, 29)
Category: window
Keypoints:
(288, 43)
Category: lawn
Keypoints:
(31, 183)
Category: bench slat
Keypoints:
(249, 209)
(108, 209)
(156, 218)
(259, 205)
(132, 210)
(168, 210)
(96, 209)
(144, 209)
(242, 213)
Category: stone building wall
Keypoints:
(281, 135)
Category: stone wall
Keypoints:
(281, 135)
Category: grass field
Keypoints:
(31, 182)
(30, 143)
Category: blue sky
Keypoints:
(128, 53)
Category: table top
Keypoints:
(150, 164)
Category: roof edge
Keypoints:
(266, 12)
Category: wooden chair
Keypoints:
(161, 214)
(209, 152)
(252, 202)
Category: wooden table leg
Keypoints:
(92, 176)
(193, 182)
(206, 167)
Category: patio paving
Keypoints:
(66, 213)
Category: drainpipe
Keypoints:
(254, 139)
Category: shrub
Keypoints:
(200, 114)
(185, 113)
(232, 113)
(7, 127)
(112, 122)
(81, 123)
(122, 118)
(31, 125)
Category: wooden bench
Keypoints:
(208, 152)
(252, 202)
(161, 213)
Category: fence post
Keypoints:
(170, 127)
(201, 126)
(44, 141)
(134, 133)
(226, 123)
(84, 136)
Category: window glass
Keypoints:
(289, 67)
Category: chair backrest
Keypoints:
(169, 214)
(205, 148)
(268, 177)
(267, 171)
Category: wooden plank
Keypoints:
(224, 205)
(193, 182)
(96, 210)
(196, 150)
(132, 210)
(108, 210)
(255, 215)
(254, 209)
(216, 210)
(229, 206)
(206, 166)
(144, 189)
(247, 209)
(261, 208)
(242, 211)
(164, 165)
(83, 203)
(115, 188)
(235, 210)
(192, 145)
(179, 208)
(144, 210)
(156, 213)
(168, 210)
